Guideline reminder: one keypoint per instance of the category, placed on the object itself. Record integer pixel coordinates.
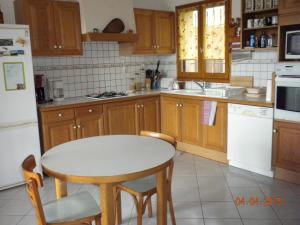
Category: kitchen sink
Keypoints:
(188, 92)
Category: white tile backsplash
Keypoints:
(100, 69)
(261, 67)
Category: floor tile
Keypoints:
(235, 180)
(16, 207)
(188, 210)
(219, 210)
(223, 222)
(261, 222)
(216, 194)
(199, 161)
(256, 212)
(208, 182)
(290, 222)
(289, 210)
(184, 170)
(286, 194)
(28, 220)
(233, 170)
(185, 194)
(247, 193)
(184, 181)
(189, 222)
(10, 220)
(207, 171)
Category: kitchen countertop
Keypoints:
(237, 99)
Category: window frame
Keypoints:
(201, 75)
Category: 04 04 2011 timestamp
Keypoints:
(256, 201)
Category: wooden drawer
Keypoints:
(59, 115)
(89, 111)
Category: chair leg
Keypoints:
(171, 208)
(140, 209)
(98, 220)
(149, 206)
(118, 207)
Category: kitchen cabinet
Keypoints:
(121, 118)
(156, 31)
(130, 117)
(286, 142)
(55, 26)
(215, 137)
(182, 118)
(63, 125)
(289, 7)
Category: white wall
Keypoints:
(98, 13)
(152, 4)
(7, 7)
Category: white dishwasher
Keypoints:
(250, 138)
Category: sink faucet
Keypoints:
(202, 86)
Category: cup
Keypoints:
(256, 23)
(250, 23)
(274, 20)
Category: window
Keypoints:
(202, 41)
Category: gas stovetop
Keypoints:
(107, 94)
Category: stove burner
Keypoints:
(107, 94)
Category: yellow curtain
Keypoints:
(188, 34)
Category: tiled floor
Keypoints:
(204, 192)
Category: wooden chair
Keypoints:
(75, 209)
(146, 187)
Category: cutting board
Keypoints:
(241, 81)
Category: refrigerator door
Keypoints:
(16, 105)
(19, 134)
(16, 144)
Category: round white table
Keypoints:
(108, 160)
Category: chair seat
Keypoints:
(142, 185)
(71, 208)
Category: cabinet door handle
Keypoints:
(275, 131)
(74, 127)
(177, 105)
(60, 114)
(138, 106)
(90, 110)
(142, 106)
(60, 46)
(157, 46)
(78, 126)
(154, 46)
(55, 46)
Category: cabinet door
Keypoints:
(38, 14)
(289, 6)
(171, 117)
(191, 124)
(144, 20)
(150, 114)
(67, 28)
(164, 30)
(58, 133)
(121, 118)
(286, 144)
(89, 126)
(215, 137)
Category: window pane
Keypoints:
(188, 39)
(214, 39)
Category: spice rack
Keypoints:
(257, 31)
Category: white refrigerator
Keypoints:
(19, 133)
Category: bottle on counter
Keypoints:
(252, 41)
(263, 41)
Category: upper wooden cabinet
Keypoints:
(54, 26)
(286, 146)
(156, 32)
(289, 7)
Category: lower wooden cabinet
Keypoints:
(58, 133)
(182, 118)
(63, 125)
(121, 118)
(130, 117)
(286, 146)
(215, 137)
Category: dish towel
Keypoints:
(209, 112)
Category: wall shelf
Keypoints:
(120, 37)
(263, 11)
(261, 28)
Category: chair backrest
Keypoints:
(33, 182)
(166, 138)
